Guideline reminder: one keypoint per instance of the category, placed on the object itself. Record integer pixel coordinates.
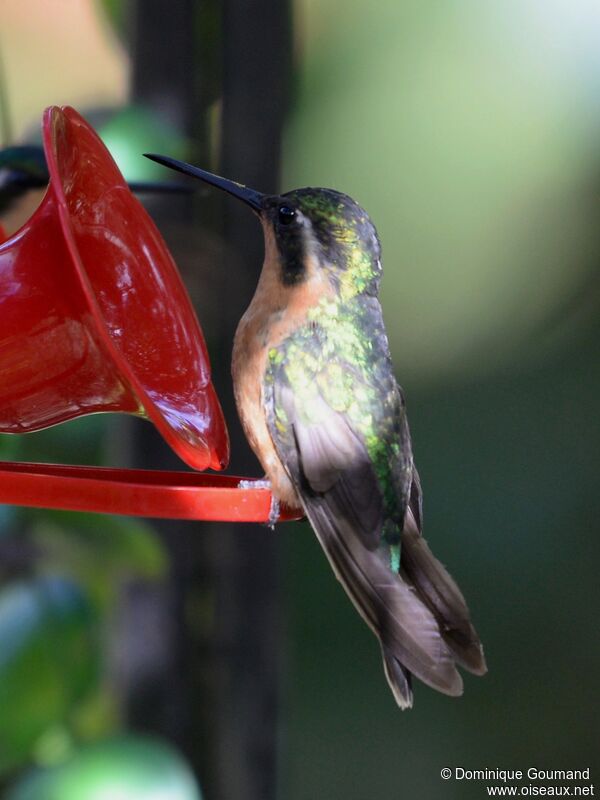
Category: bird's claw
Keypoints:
(274, 512)
(252, 484)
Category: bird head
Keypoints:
(310, 231)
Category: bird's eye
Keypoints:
(286, 215)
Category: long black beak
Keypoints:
(253, 198)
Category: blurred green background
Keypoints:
(471, 133)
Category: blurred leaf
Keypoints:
(10, 447)
(137, 130)
(97, 716)
(48, 660)
(99, 548)
(78, 441)
(7, 516)
(128, 767)
(54, 746)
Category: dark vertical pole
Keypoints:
(165, 77)
(165, 658)
(215, 690)
(163, 59)
(256, 70)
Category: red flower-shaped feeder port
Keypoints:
(94, 317)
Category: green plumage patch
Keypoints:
(342, 357)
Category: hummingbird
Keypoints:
(24, 174)
(321, 408)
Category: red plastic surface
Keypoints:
(93, 313)
(94, 317)
(141, 493)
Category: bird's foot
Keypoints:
(274, 512)
(253, 484)
(275, 509)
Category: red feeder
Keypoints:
(94, 317)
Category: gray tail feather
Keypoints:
(440, 593)
(399, 679)
(407, 629)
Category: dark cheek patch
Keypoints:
(291, 250)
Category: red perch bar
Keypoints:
(137, 492)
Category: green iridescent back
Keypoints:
(338, 364)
